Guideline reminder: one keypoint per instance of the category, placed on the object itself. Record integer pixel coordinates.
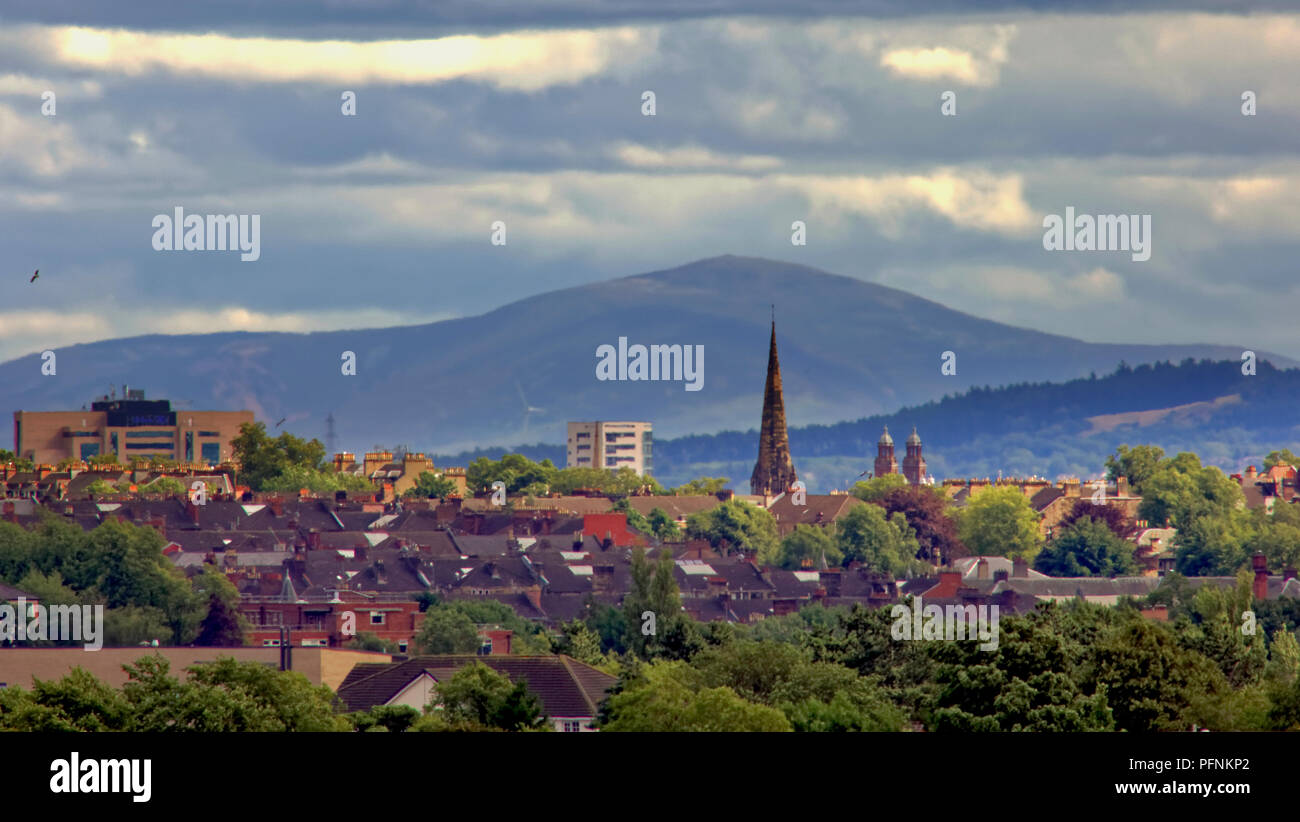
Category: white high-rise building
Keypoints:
(611, 445)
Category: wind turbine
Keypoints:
(528, 409)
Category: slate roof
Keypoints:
(565, 687)
(1046, 497)
(9, 593)
(821, 509)
(676, 507)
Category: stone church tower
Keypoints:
(774, 470)
(914, 463)
(885, 462)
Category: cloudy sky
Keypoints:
(531, 114)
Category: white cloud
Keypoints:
(970, 199)
(691, 156)
(22, 332)
(521, 60)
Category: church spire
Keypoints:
(774, 471)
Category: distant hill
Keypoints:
(1044, 429)
(848, 349)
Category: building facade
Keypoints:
(913, 462)
(130, 427)
(611, 445)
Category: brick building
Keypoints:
(129, 427)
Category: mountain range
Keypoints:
(849, 350)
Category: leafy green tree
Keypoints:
(701, 486)
(621, 482)
(984, 698)
(262, 458)
(520, 474)
(226, 696)
(1000, 522)
(882, 543)
(1213, 544)
(668, 696)
(366, 641)
(1277, 536)
(10, 458)
(859, 709)
(1212, 627)
(1282, 457)
(166, 486)
(293, 702)
(293, 478)
(1136, 464)
(429, 485)
(635, 519)
(664, 527)
(877, 488)
(1086, 548)
(928, 514)
(805, 542)
(741, 526)
(222, 625)
(446, 630)
(135, 624)
(1150, 682)
(1110, 515)
(1181, 490)
(478, 696)
(608, 623)
(581, 643)
(390, 718)
(653, 589)
(77, 702)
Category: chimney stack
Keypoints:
(1020, 568)
(1260, 588)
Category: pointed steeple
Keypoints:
(774, 470)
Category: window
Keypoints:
(486, 648)
(189, 446)
(401, 647)
(148, 446)
(270, 643)
(572, 726)
(211, 452)
(209, 433)
(89, 449)
(140, 435)
(376, 617)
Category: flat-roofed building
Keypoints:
(128, 427)
(611, 445)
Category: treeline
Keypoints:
(121, 567)
(1025, 428)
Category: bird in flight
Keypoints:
(34, 276)
(282, 419)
